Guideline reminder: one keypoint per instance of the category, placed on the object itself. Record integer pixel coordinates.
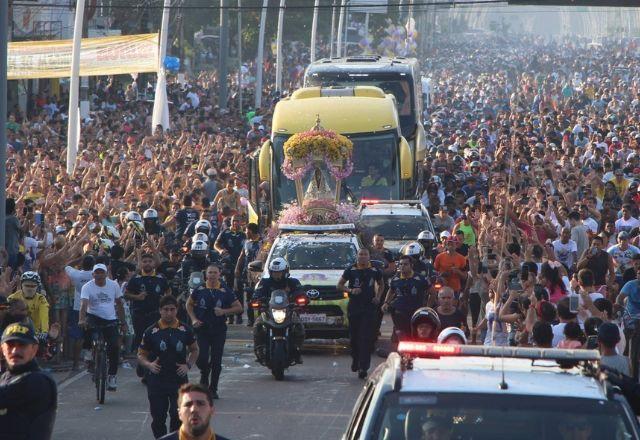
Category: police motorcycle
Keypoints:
(278, 319)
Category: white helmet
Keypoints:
(200, 237)
(150, 213)
(426, 235)
(449, 332)
(278, 265)
(413, 249)
(203, 224)
(199, 245)
(134, 217)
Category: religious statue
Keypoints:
(318, 188)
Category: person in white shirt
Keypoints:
(626, 223)
(79, 277)
(101, 306)
(623, 253)
(565, 249)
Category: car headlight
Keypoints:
(279, 315)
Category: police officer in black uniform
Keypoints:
(168, 351)
(416, 252)
(365, 291)
(250, 249)
(408, 291)
(278, 280)
(198, 259)
(28, 396)
(208, 307)
(144, 291)
(229, 244)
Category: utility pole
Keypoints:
(84, 81)
(181, 34)
(240, 57)
(4, 41)
(160, 114)
(223, 68)
(279, 60)
(260, 57)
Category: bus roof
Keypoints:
(343, 114)
(365, 64)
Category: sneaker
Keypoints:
(86, 355)
(362, 374)
(112, 384)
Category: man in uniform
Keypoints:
(365, 291)
(380, 253)
(250, 249)
(28, 397)
(407, 293)
(144, 291)
(168, 351)
(208, 307)
(230, 244)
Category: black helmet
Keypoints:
(425, 315)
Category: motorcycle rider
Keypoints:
(250, 249)
(278, 280)
(408, 292)
(452, 336)
(425, 325)
(416, 252)
(198, 259)
(427, 239)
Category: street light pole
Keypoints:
(260, 57)
(223, 70)
(333, 28)
(73, 131)
(240, 57)
(314, 30)
(4, 31)
(279, 60)
(160, 114)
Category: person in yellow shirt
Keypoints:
(373, 178)
(36, 302)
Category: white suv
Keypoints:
(399, 221)
(317, 257)
(493, 393)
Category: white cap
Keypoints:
(99, 266)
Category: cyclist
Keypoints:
(278, 280)
(37, 304)
(101, 306)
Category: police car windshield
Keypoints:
(314, 255)
(495, 417)
(395, 227)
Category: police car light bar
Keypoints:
(317, 228)
(423, 349)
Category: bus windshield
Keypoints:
(399, 86)
(375, 170)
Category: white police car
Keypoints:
(399, 221)
(493, 393)
(317, 257)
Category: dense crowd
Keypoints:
(532, 180)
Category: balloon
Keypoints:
(172, 63)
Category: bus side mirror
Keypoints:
(406, 160)
(264, 161)
(421, 143)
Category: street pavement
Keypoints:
(314, 401)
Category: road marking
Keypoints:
(65, 383)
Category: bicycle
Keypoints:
(100, 361)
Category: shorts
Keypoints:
(73, 329)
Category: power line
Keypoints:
(277, 7)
